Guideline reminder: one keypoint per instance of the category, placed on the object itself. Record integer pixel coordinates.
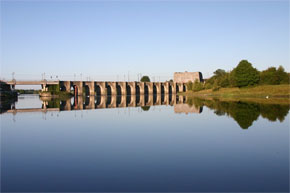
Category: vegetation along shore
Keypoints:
(243, 81)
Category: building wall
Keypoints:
(184, 77)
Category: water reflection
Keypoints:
(244, 113)
(114, 101)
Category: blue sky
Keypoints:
(109, 40)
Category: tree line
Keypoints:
(243, 75)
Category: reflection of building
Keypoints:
(185, 108)
(184, 77)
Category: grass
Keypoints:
(261, 91)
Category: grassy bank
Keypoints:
(262, 91)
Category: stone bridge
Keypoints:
(99, 88)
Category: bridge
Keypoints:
(92, 88)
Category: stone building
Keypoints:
(184, 77)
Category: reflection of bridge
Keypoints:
(114, 101)
(106, 88)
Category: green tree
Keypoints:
(269, 76)
(197, 86)
(145, 79)
(244, 74)
(145, 108)
(219, 72)
(189, 85)
(283, 76)
(274, 76)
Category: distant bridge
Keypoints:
(106, 88)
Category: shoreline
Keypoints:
(264, 94)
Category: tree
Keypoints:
(269, 76)
(274, 76)
(189, 85)
(219, 72)
(197, 86)
(244, 75)
(145, 79)
(145, 108)
(282, 75)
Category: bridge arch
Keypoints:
(170, 89)
(155, 89)
(162, 89)
(154, 98)
(98, 100)
(75, 89)
(138, 89)
(63, 88)
(109, 100)
(177, 88)
(98, 90)
(119, 99)
(184, 87)
(87, 90)
(119, 90)
(146, 89)
(109, 90)
(129, 89)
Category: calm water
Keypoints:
(175, 145)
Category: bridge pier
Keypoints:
(132, 101)
(132, 86)
(101, 88)
(91, 104)
(141, 86)
(173, 87)
(113, 103)
(113, 87)
(123, 101)
(123, 88)
(150, 100)
(158, 99)
(91, 86)
(165, 85)
(67, 105)
(158, 87)
(150, 87)
(65, 85)
(102, 101)
(78, 86)
(141, 100)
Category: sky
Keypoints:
(122, 40)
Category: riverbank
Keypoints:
(270, 92)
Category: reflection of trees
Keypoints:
(145, 108)
(274, 112)
(244, 113)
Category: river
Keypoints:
(153, 144)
